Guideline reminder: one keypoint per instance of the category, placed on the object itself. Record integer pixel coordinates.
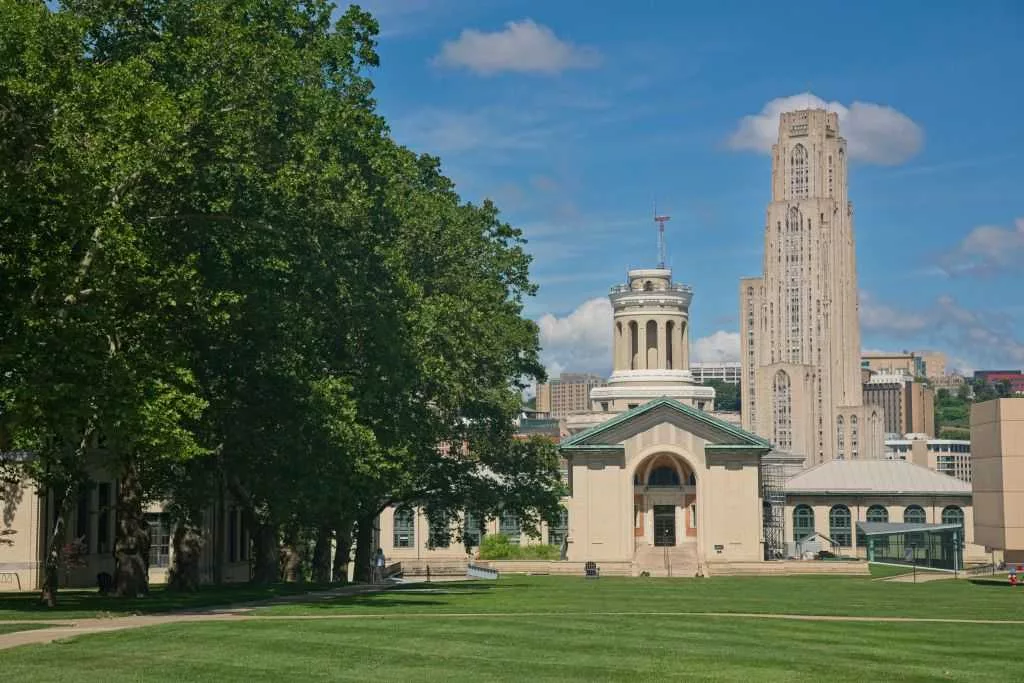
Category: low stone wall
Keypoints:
(557, 567)
(788, 568)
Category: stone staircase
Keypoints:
(680, 561)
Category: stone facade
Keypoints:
(800, 337)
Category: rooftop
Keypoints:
(874, 476)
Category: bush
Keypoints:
(498, 547)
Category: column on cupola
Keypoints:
(641, 363)
(662, 346)
(683, 344)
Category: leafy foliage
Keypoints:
(498, 547)
(223, 278)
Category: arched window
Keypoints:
(620, 343)
(782, 407)
(829, 175)
(951, 514)
(798, 172)
(840, 445)
(404, 528)
(648, 286)
(839, 528)
(663, 476)
(803, 522)
(854, 437)
(877, 513)
(794, 269)
(914, 514)
(693, 479)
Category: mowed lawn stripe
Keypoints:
(531, 648)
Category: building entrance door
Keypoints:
(664, 525)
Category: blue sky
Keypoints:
(575, 117)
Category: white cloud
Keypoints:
(582, 341)
(522, 46)
(874, 133)
(876, 316)
(720, 346)
(972, 338)
(986, 250)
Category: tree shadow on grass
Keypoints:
(78, 603)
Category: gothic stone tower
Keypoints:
(800, 337)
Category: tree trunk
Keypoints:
(131, 545)
(292, 558)
(188, 545)
(342, 552)
(322, 555)
(54, 550)
(364, 549)
(266, 551)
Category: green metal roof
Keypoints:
(741, 437)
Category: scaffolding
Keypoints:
(773, 497)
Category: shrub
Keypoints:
(498, 547)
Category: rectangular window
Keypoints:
(82, 519)
(233, 535)
(473, 532)
(404, 528)
(560, 530)
(159, 539)
(509, 526)
(103, 518)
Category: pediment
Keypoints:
(612, 434)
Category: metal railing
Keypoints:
(674, 287)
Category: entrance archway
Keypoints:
(664, 503)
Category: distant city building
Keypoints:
(996, 428)
(945, 456)
(908, 407)
(951, 382)
(1015, 378)
(930, 364)
(728, 372)
(567, 394)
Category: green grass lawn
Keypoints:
(822, 595)
(881, 571)
(79, 604)
(574, 629)
(530, 648)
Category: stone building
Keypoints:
(799, 332)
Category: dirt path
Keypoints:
(70, 628)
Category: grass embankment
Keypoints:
(84, 604)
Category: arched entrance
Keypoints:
(664, 503)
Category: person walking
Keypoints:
(378, 566)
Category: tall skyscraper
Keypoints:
(800, 337)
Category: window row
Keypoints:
(404, 530)
(840, 522)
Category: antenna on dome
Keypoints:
(661, 220)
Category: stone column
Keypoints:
(641, 352)
(662, 346)
(682, 343)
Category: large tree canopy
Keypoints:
(221, 273)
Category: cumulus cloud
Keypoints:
(720, 346)
(522, 46)
(582, 341)
(972, 338)
(874, 133)
(986, 250)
